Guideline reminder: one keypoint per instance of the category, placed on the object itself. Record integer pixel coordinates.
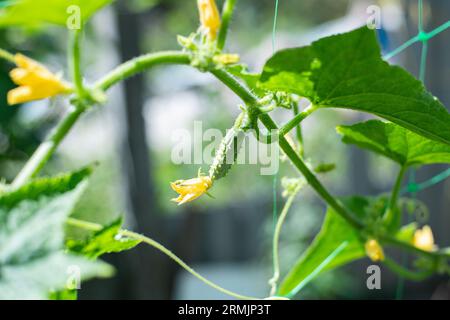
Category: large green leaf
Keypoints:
(347, 71)
(37, 278)
(107, 240)
(335, 231)
(36, 12)
(32, 219)
(401, 145)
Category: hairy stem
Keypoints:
(47, 148)
(75, 62)
(139, 237)
(298, 133)
(247, 96)
(140, 64)
(147, 61)
(390, 213)
(295, 122)
(408, 274)
(227, 13)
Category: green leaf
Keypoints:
(401, 145)
(347, 71)
(107, 240)
(250, 79)
(335, 231)
(44, 187)
(38, 277)
(32, 220)
(66, 294)
(33, 13)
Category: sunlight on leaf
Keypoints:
(347, 71)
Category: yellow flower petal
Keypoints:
(209, 17)
(35, 82)
(18, 95)
(27, 63)
(373, 250)
(191, 189)
(423, 239)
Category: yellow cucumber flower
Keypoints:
(35, 82)
(209, 17)
(423, 239)
(191, 189)
(374, 251)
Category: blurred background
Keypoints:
(226, 239)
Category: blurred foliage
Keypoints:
(251, 23)
(30, 13)
(161, 20)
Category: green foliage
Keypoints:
(45, 187)
(64, 295)
(341, 71)
(32, 219)
(32, 13)
(107, 240)
(403, 146)
(250, 79)
(335, 231)
(406, 233)
(347, 71)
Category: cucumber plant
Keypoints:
(344, 71)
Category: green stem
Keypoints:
(390, 213)
(276, 239)
(298, 133)
(7, 56)
(227, 13)
(309, 175)
(139, 237)
(294, 122)
(407, 274)
(140, 64)
(47, 148)
(247, 96)
(86, 225)
(410, 248)
(75, 62)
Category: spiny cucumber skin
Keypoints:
(228, 149)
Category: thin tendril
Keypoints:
(136, 236)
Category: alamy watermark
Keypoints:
(200, 147)
(73, 21)
(73, 281)
(374, 280)
(374, 19)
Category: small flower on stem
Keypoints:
(209, 17)
(226, 58)
(191, 189)
(35, 82)
(374, 251)
(423, 239)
